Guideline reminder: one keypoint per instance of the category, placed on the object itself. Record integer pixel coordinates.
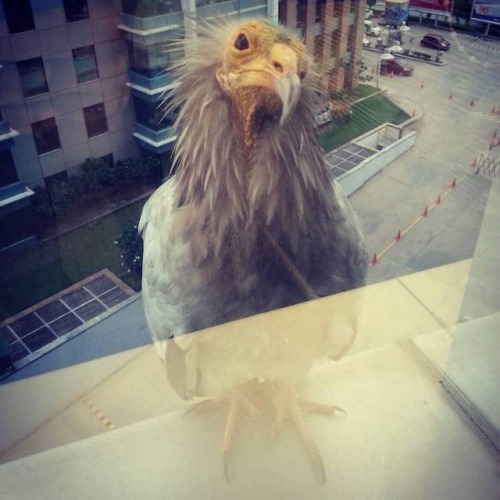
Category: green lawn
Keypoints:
(36, 273)
(366, 115)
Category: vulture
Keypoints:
(252, 221)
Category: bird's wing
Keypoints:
(167, 275)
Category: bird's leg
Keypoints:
(287, 403)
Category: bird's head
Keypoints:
(261, 72)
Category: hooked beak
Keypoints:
(288, 90)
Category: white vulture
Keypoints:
(251, 221)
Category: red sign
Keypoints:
(432, 5)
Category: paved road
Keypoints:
(451, 133)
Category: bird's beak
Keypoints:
(288, 90)
(277, 73)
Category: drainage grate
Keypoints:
(33, 331)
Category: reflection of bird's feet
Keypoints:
(286, 403)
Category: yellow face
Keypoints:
(268, 61)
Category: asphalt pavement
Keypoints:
(454, 103)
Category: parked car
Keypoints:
(435, 41)
(368, 13)
(396, 66)
(371, 29)
(366, 42)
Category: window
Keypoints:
(32, 76)
(46, 135)
(19, 15)
(85, 64)
(8, 174)
(76, 10)
(95, 119)
(151, 114)
(147, 8)
(151, 60)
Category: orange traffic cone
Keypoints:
(438, 201)
(425, 213)
(451, 95)
(473, 164)
(453, 185)
(374, 260)
(398, 236)
(472, 102)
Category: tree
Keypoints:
(131, 246)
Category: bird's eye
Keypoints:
(241, 42)
(302, 74)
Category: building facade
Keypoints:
(85, 78)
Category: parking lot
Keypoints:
(454, 102)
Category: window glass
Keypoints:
(46, 135)
(405, 118)
(32, 76)
(95, 119)
(149, 8)
(19, 15)
(152, 115)
(76, 10)
(8, 173)
(85, 64)
(151, 60)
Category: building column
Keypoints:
(272, 11)
(352, 77)
(291, 14)
(189, 13)
(327, 11)
(310, 22)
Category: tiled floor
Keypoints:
(43, 324)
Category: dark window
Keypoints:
(32, 76)
(152, 114)
(19, 15)
(8, 174)
(76, 10)
(95, 119)
(85, 64)
(147, 8)
(46, 135)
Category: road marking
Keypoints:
(485, 116)
(99, 414)
(418, 219)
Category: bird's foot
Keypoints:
(286, 403)
(237, 401)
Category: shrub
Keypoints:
(143, 169)
(62, 195)
(130, 243)
(100, 171)
(41, 203)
